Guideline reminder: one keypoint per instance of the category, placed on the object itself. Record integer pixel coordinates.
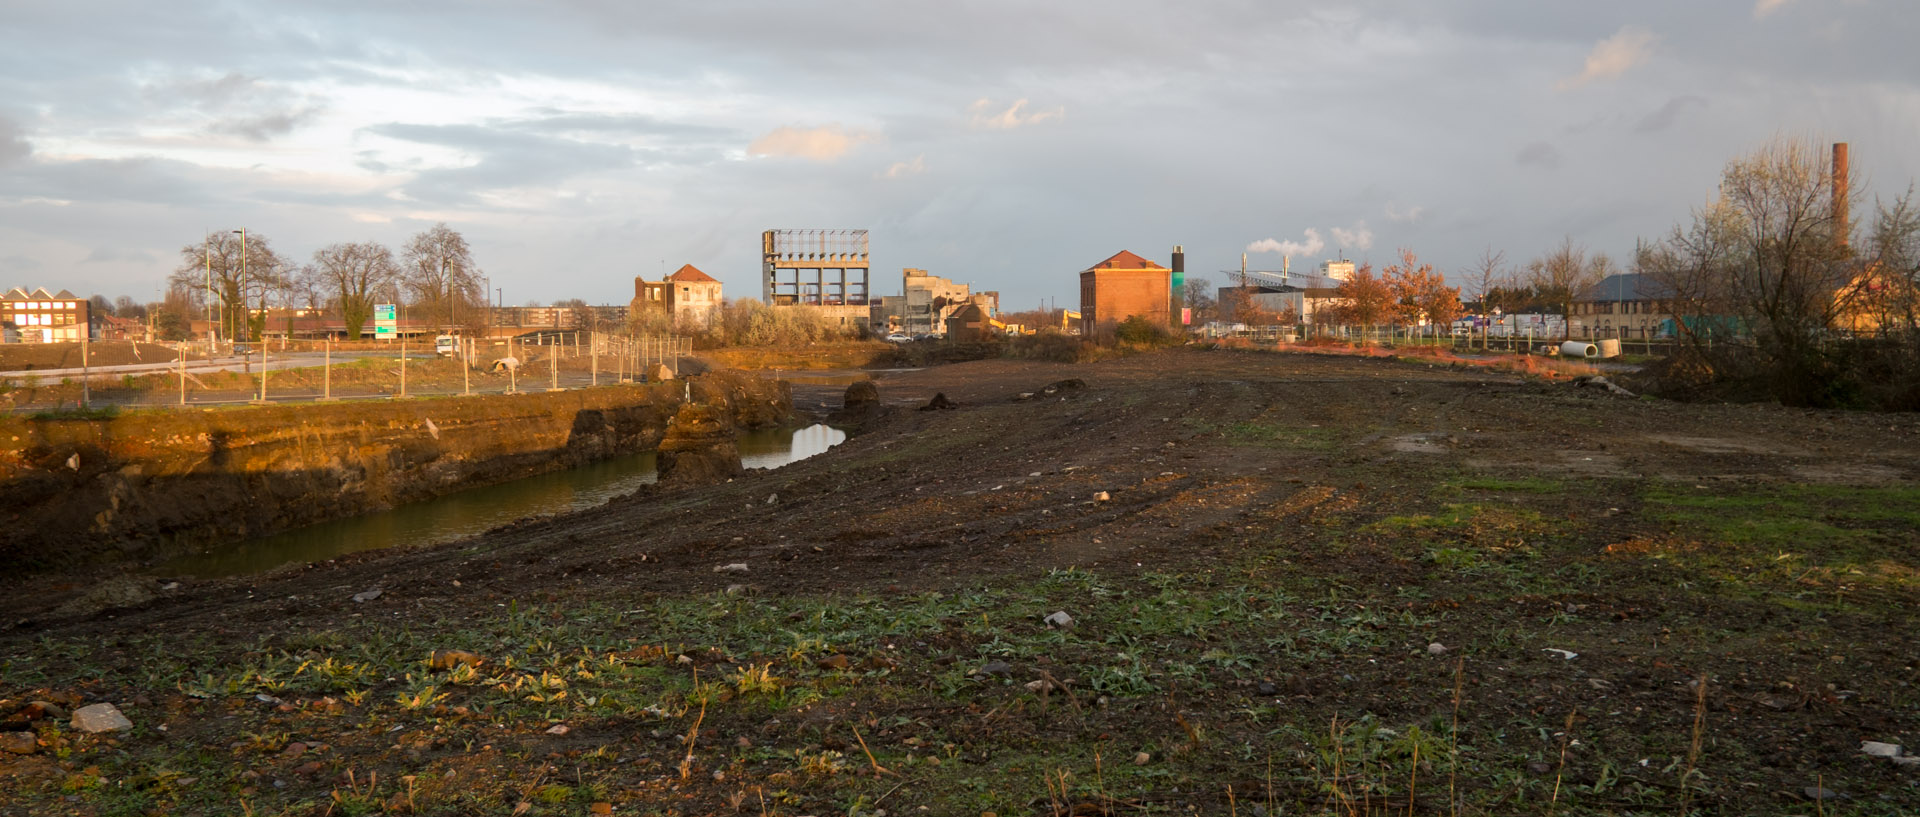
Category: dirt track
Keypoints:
(1399, 504)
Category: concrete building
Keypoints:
(43, 317)
(690, 298)
(927, 304)
(1123, 286)
(1262, 302)
(826, 269)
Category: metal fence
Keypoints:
(290, 371)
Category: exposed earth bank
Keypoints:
(1312, 584)
(136, 485)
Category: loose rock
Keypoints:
(1102, 496)
(448, 659)
(18, 743)
(1060, 621)
(1141, 758)
(367, 595)
(995, 668)
(1436, 648)
(100, 718)
(736, 567)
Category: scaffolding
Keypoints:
(826, 268)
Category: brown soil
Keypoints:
(30, 356)
(1345, 482)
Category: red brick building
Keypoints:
(1123, 286)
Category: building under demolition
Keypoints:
(826, 269)
(927, 302)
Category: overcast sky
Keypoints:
(1010, 144)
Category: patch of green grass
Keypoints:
(1796, 537)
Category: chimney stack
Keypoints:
(1840, 192)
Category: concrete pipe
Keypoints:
(1579, 348)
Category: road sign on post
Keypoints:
(385, 321)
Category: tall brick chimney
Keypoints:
(1839, 191)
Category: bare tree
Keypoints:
(213, 273)
(355, 274)
(1564, 273)
(1769, 260)
(1197, 294)
(126, 307)
(1488, 272)
(438, 267)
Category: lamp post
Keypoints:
(245, 318)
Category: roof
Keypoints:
(690, 275)
(1124, 260)
(1627, 286)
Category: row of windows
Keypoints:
(43, 304)
(32, 319)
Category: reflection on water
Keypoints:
(773, 448)
(475, 511)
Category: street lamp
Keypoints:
(244, 316)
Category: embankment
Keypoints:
(142, 484)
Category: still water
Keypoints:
(475, 511)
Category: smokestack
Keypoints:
(1840, 192)
(1177, 280)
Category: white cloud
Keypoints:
(822, 144)
(901, 170)
(1762, 8)
(1357, 237)
(1613, 56)
(1312, 246)
(1408, 215)
(982, 115)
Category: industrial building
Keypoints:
(826, 269)
(1123, 286)
(1263, 297)
(689, 297)
(927, 303)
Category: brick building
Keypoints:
(1123, 286)
(43, 317)
(692, 298)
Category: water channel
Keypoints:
(474, 511)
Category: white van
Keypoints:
(446, 345)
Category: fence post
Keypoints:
(593, 355)
(183, 375)
(326, 373)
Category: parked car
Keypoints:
(899, 338)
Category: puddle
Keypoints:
(478, 510)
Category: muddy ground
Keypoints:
(1302, 583)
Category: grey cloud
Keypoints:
(551, 120)
(507, 159)
(265, 126)
(157, 181)
(14, 148)
(1669, 113)
(102, 255)
(20, 264)
(1538, 154)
